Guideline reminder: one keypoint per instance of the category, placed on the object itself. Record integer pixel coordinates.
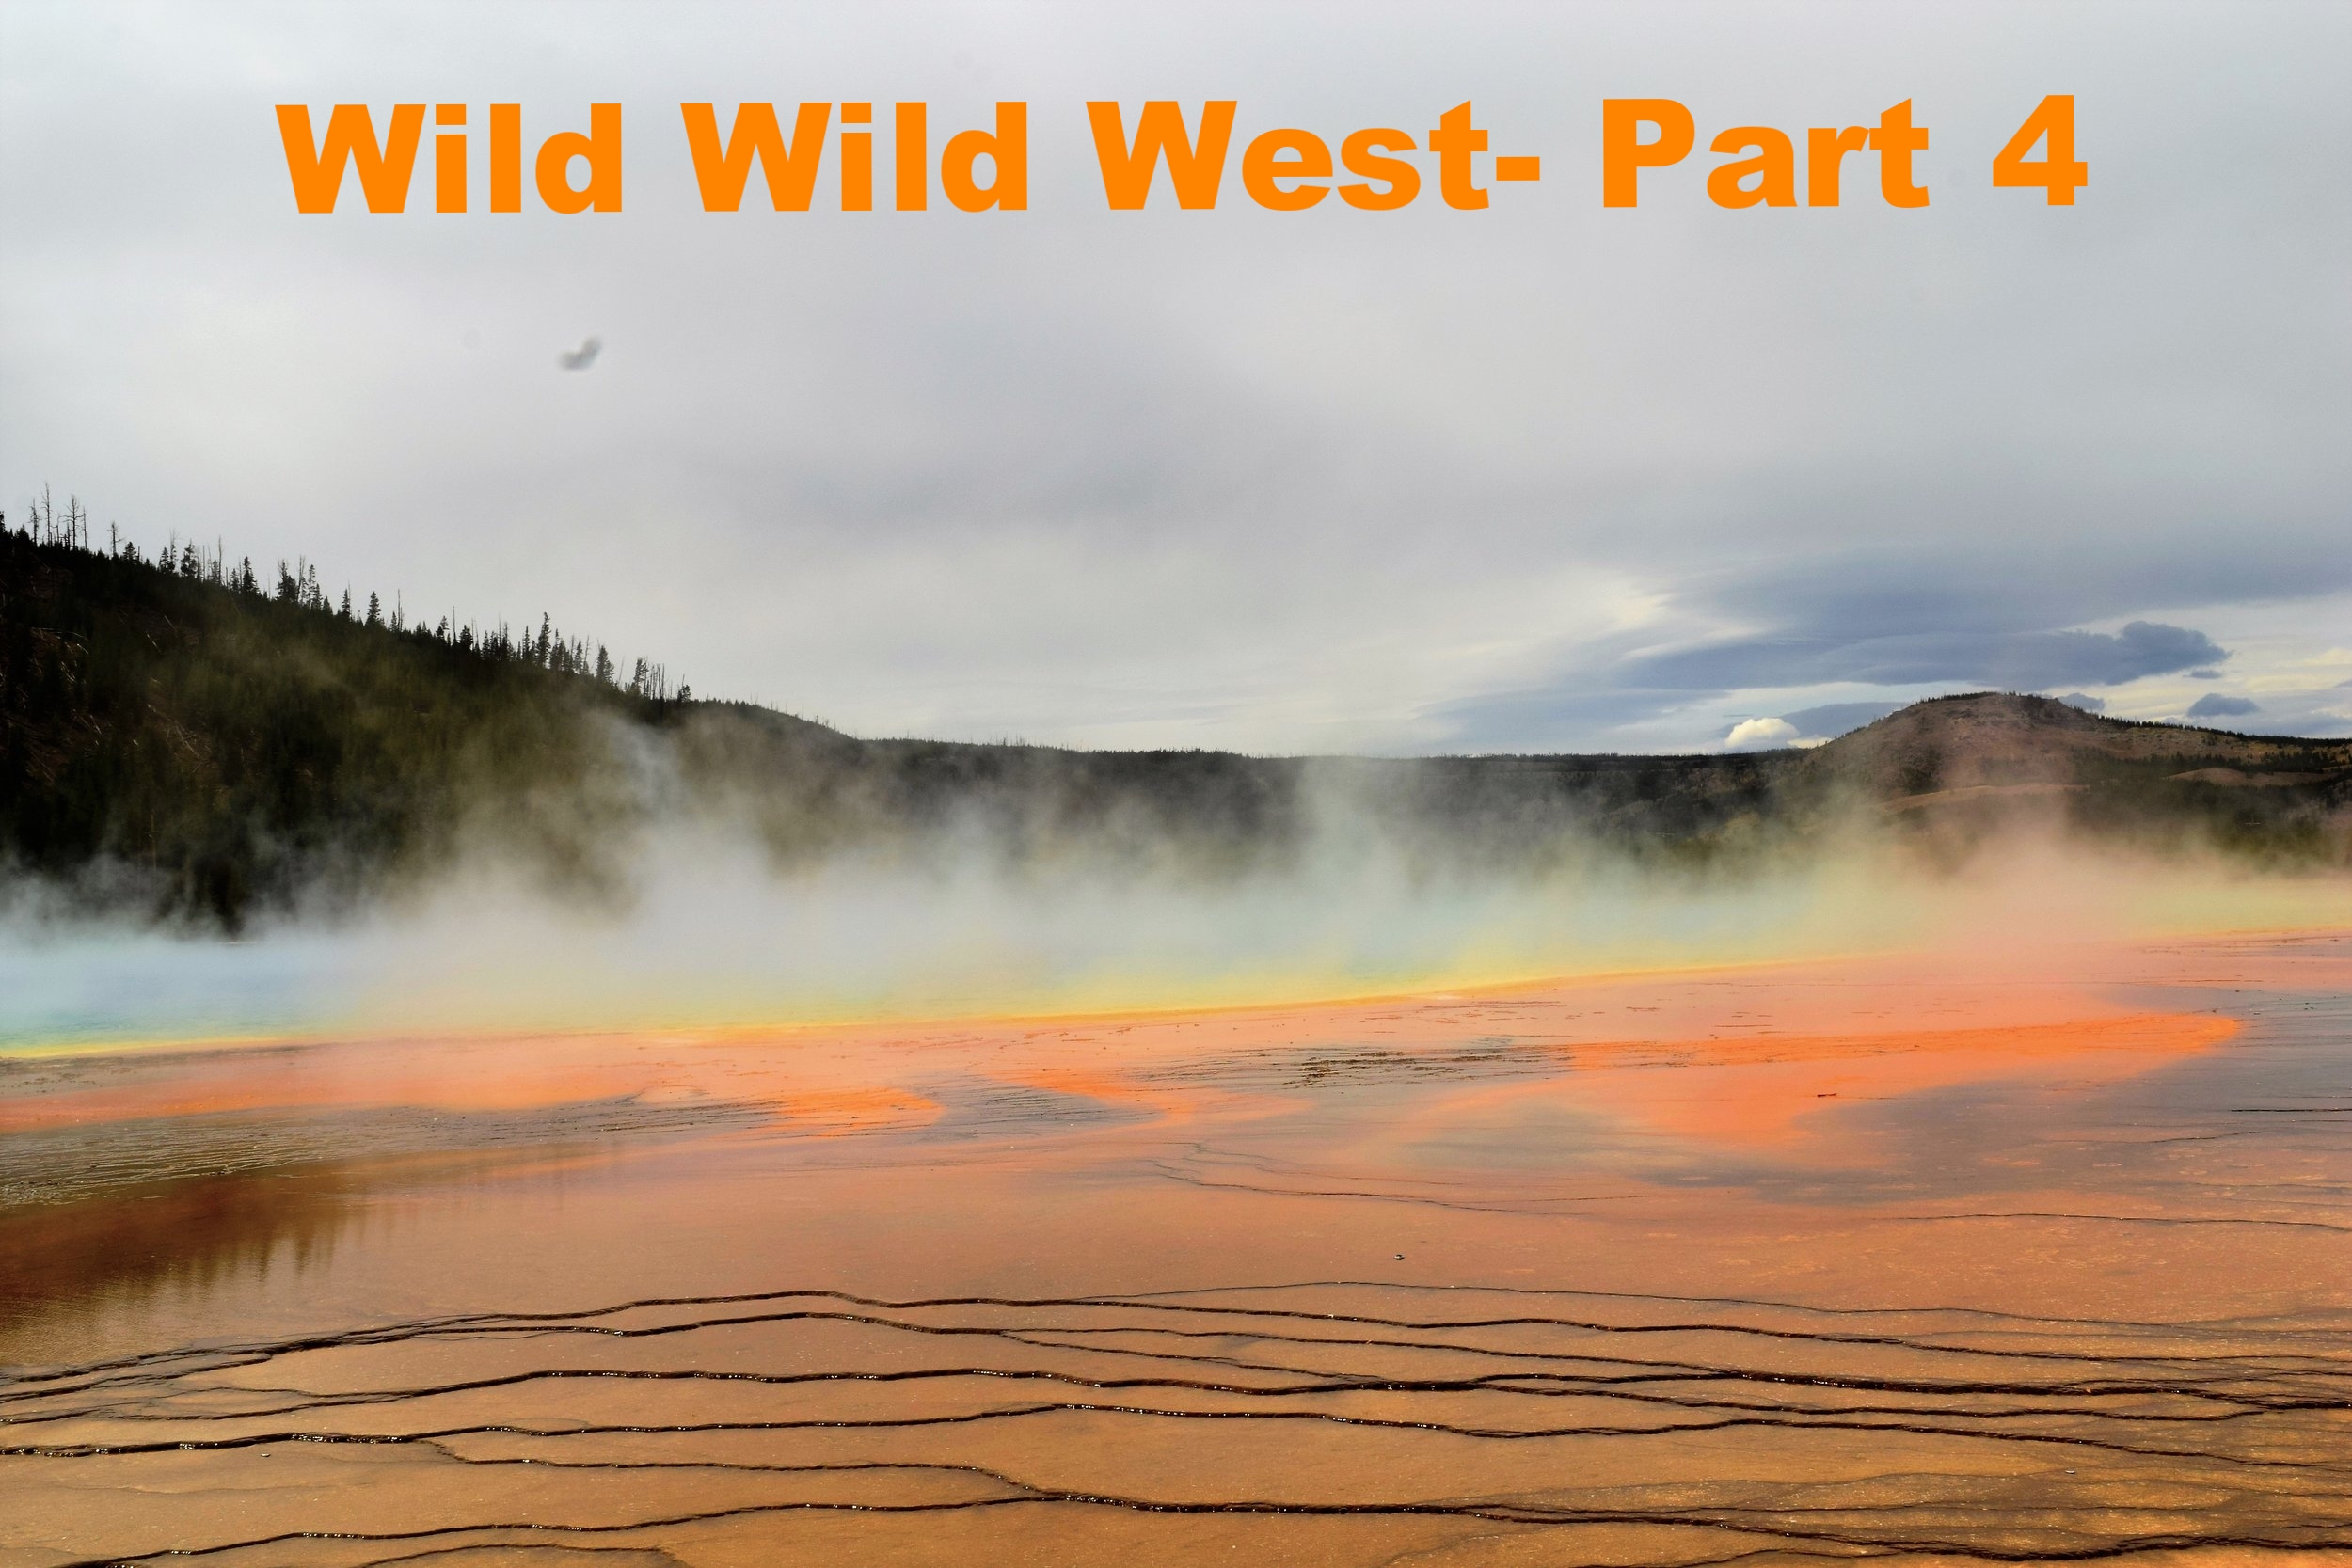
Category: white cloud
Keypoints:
(1758, 734)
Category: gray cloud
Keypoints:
(2022, 661)
(1633, 687)
(2213, 705)
(2083, 700)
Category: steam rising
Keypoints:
(700, 912)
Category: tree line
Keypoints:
(298, 585)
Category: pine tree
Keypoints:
(299, 584)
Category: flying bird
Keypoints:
(581, 357)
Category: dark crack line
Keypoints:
(1781, 1423)
(1533, 1206)
(1512, 1383)
(2173, 1383)
(478, 1324)
(2133, 1219)
(1724, 1521)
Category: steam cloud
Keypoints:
(698, 915)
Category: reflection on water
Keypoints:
(1822, 1261)
(184, 1238)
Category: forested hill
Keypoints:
(205, 743)
(187, 740)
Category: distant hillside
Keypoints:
(1970, 759)
(176, 741)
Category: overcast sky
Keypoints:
(1541, 477)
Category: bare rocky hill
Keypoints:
(1988, 757)
(1998, 740)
